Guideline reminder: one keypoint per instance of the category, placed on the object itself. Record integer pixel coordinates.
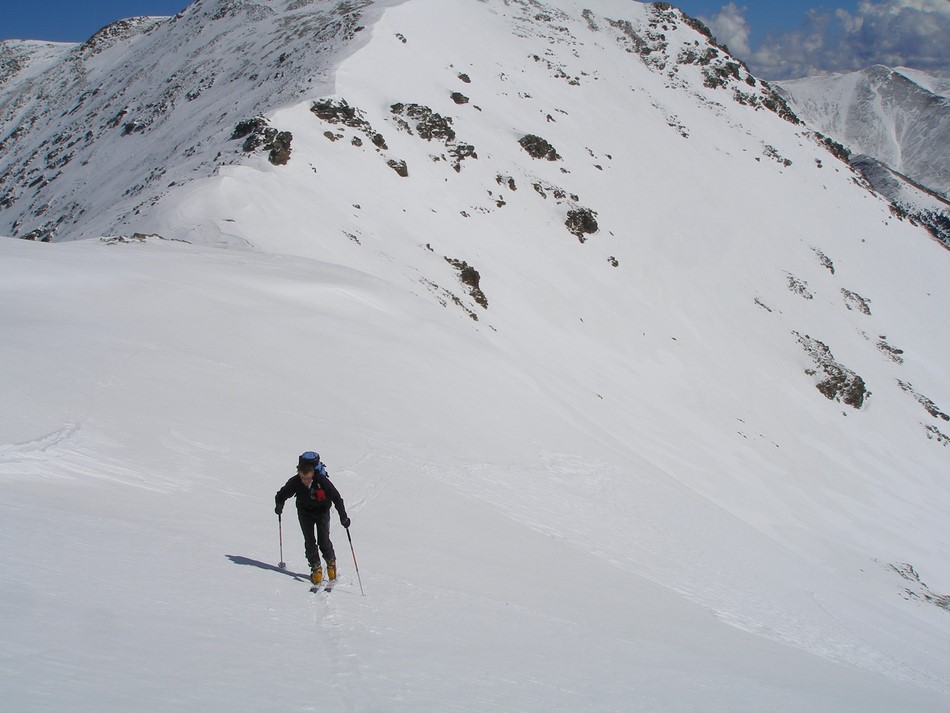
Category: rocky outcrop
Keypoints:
(838, 383)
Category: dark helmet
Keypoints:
(310, 459)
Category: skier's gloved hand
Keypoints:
(279, 508)
(345, 521)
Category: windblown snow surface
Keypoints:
(614, 488)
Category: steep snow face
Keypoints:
(634, 391)
(899, 118)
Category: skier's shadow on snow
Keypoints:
(237, 559)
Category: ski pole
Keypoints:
(280, 534)
(358, 579)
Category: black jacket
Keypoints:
(315, 499)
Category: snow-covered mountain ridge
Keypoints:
(70, 112)
(636, 394)
(133, 102)
(896, 123)
(882, 113)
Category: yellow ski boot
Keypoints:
(316, 574)
(331, 571)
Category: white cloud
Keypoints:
(909, 33)
(731, 28)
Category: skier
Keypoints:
(314, 492)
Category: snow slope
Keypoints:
(616, 489)
(512, 557)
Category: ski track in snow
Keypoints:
(40, 449)
(341, 661)
(70, 453)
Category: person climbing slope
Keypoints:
(315, 493)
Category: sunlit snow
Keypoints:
(616, 488)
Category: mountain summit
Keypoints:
(636, 392)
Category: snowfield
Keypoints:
(614, 488)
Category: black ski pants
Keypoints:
(319, 521)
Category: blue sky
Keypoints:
(76, 20)
(778, 40)
(763, 16)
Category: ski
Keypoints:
(325, 586)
